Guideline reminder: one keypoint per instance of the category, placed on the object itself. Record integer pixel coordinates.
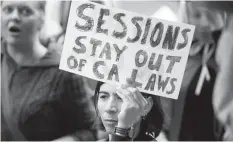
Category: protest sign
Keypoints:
(109, 44)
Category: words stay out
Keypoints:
(109, 35)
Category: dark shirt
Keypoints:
(43, 102)
(198, 119)
(193, 117)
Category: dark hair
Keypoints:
(152, 124)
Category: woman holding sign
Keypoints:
(127, 114)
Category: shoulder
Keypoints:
(62, 80)
(71, 81)
(73, 85)
(61, 75)
(62, 84)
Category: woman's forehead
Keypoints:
(31, 4)
(193, 7)
(106, 87)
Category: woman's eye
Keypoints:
(25, 11)
(8, 10)
(119, 98)
(103, 97)
(197, 15)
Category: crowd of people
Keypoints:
(41, 102)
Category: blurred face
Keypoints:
(205, 21)
(21, 21)
(109, 106)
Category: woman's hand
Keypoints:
(133, 105)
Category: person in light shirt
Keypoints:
(39, 101)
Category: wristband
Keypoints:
(120, 134)
(121, 131)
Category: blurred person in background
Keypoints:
(194, 117)
(223, 89)
(38, 101)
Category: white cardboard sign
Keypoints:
(110, 45)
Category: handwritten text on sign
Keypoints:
(110, 45)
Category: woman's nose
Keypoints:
(204, 22)
(15, 16)
(111, 106)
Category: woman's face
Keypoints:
(204, 19)
(109, 106)
(21, 21)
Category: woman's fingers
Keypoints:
(133, 96)
(129, 97)
(130, 82)
(138, 97)
(131, 86)
(124, 95)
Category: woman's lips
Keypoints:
(14, 30)
(110, 121)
